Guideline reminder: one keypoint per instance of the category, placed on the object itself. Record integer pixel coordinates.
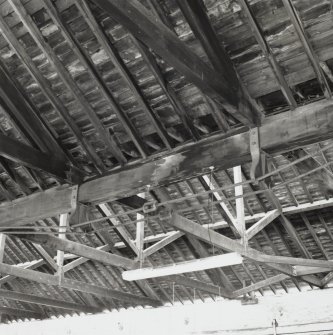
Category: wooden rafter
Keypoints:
(44, 278)
(195, 14)
(278, 262)
(21, 313)
(143, 26)
(300, 31)
(46, 88)
(34, 299)
(89, 65)
(23, 114)
(28, 156)
(56, 243)
(167, 90)
(267, 51)
(124, 72)
(39, 206)
(262, 223)
(279, 133)
(260, 284)
(67, 79)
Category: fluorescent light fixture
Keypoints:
(184, 267)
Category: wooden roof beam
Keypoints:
(279, 133)
(260, 284)
(89, 65)
(46, 88)
(267, 51)
(28, 156)
(21, 313)
(47, 279)
(153, 33)
(24, 116)
(300, 31)
(122, 232)
(82, 250)
(168, 90)
(196, 16)
(216, 275)
(67, 79)
(262, 223)
(248, 219)
(207, 182)
(34, 299)
(225, 243)
(38, 206)
(110, 50)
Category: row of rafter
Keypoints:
(189, 162)
(199, 24)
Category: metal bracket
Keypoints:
(149, 207)
(74, 196)
(259, 157)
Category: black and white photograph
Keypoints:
(166, 167)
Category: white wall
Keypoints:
(311, 310)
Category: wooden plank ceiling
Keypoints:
(104, 99)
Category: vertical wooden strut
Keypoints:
(2, 253)
(140, 233)
(63, 223)
(240, 203)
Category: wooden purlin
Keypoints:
(279, 133)
(44, 278)
(141, 24)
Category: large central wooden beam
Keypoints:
(38, 206)
(139, 21)
(286, 131)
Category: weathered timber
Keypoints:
(267, 51)
(89, 65)
(300, 31)
(22, 113)
(111, 51)
(139, 21)
(46, 88)
(38, 206)
(34, 299)
(28, 156)
(286, 131)
(44, 278)
(67, 79)
(260, 284)
(228, 244)
(82, 250)
(21, 313)
(262, 223)
(196, 16)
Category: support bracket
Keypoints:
(259, 157)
